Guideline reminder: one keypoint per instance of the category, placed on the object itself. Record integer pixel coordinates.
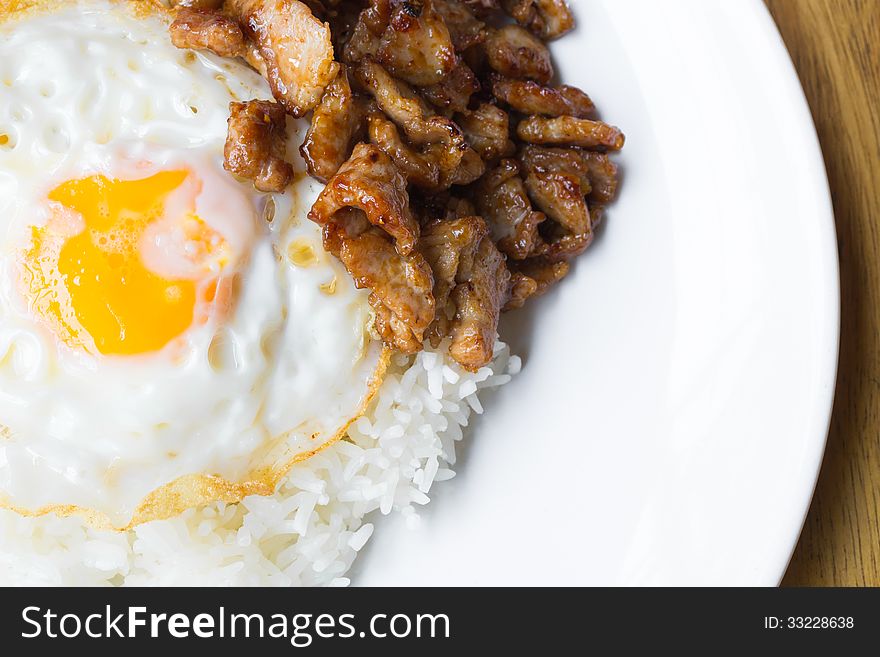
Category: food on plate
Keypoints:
(256, 255)
(165, 344)
(256, 144)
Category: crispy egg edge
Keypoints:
(195, 490)
(19, 8)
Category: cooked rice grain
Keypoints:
(310, 531)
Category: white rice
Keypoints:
(307, 534)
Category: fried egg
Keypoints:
(168, 335)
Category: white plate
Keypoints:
(670, 420)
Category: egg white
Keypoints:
(89, 88)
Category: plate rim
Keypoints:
(819, 173)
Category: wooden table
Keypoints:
(835, 45)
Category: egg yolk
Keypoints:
(86, 275)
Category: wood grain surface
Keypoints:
(835, 45)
